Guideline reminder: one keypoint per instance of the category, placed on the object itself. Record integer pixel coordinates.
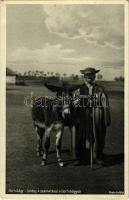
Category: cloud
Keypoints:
(100, 24)
(66, 38)
(56, 58)
(48, 54)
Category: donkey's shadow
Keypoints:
(109, 159)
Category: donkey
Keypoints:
(52, 114)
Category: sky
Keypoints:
(66, 38)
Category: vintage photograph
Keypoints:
(65, 79)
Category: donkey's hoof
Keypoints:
(43, 162)
(39, 153)
(60, 162)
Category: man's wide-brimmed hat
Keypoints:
(89, 70)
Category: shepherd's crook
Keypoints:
(91, 142)
(91, 154)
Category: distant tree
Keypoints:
(64, 75)
(76, 77)
(48, 73)
(81, 76)
(37, 73)
(33, 73)
(57, 74)
(52, 73)
(29, 73)
(19, 74)
(40, 73)
(121, 78)
(25, 74)
(72, 76)
(99, 76)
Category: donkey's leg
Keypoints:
(46, 145)
(40, 133)
(58, 144)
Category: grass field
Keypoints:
(24, 174)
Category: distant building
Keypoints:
(10, 76)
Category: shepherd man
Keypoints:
(92, 104)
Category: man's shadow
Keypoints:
(113, 159)
(109, 159)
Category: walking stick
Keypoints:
(91, 136)
(91, 153)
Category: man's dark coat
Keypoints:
(92, 109)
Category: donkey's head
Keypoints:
(65, 100)
(64, 97)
